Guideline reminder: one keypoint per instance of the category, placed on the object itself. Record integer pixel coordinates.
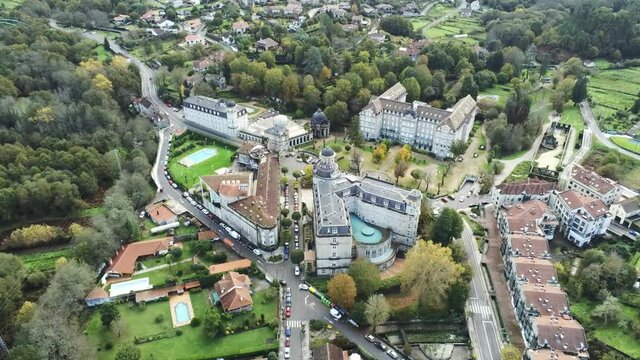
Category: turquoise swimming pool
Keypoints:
(363, 232)
(198, 156)
(182, 313)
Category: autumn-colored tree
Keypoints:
(91, 65)
(429, 271)
(25, 313)
(404, 154)
(377, 310)
(510, 352)
(120, 62)
(342, 290)
(102, 83)
(325, 73)
(400, 170)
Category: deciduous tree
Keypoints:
(128, 352)
(377, 310)
(108, 314)
(297, 256)
(429, 271)
(342, 290)
(366, 277)
(400, 170)
(510, 352)
(448, 226)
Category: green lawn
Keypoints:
(159, 277)
(571, 115)
(635, 260)
(10, 4)
(520, 172)
(502, 91)
(611, 335)
(45, 260)
(626, 143)
(188, 177)
(613, 90)
(102, 54)
(260, 306)
(192, 344)
(160, 260)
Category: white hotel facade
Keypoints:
(389, 116)
(223, 117)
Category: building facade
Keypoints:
(518, 192)
(320, 125)
(362, 217)
(223, 117)
(588, 183)
(581, 217)
(250, 209)
(529, 217)
(278, 133)
(389, 116)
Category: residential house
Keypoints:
(233, 292)
(377, 37)
(144, 106)
(120, 20)
(202, 64)
(266, 44)
(522, 270)
(155, 294)
(558, 332)
(97, 296)
(357, 19)
(410, 9)
(152, 16)
(177, 3)
(123, 264)
(480, 51)
(350, 27)
(159, 120)
(517, 192)
(293, 9)
(216, 80)
(475, 5)
(581, 217)
(385, 8)
(194, 39)
(414, 49)
(626, 212)
(534, 300)
(161, 214)
(166, 24)
(240, 27)
(193, 25)
(334, 10)
(588, 183)
(530, 217)
(329, 351)
(274, 10)
(156, 32)
(193, 2)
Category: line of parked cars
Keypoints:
(382, 346)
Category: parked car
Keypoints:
(633, 233)
(381, 345)
(296, 271)
(303, 287)
(287, 311)
(392, 353)
(174, 185)
(444, 200)
(370, 338)
(461, 198)
(257, 252)
(142, 214)
(287, 331)
(287, 341)
(475, 155)
(287, 353)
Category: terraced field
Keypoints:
(614, 90)
(458, 26)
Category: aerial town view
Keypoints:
(319, 179)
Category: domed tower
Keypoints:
(327, 168)
(320, 125)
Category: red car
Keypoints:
(287, 342)
(287, 311)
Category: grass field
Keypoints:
(613, 90)
(10, 4)
(102, 54)
(192, 344)
(45, 260)
(626, 143)
(520, 172)
(571, 115)
(159, 277)
(188, 177)
(629, 168)
(611, 335)
(456, 26)
(502, 91)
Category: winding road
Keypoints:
(590, 120)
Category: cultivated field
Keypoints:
(458, 26)
(614, 90)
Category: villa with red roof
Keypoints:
(123, 264)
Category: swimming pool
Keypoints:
(363, 232)
(198, 157)
(182, 313)
(126, 287)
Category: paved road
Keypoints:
(587, 114)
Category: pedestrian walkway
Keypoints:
(495, 266)
(478, 308)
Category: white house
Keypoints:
(588, 183)
(581, 217)
(223, 117)
(626, 212)
(194, 39)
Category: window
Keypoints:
(334, 255)
(333, 265)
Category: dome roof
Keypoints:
(280, 121)
(327, 152)
(319, 118)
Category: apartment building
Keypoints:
(518, 192)
(223, 117)
(581, 217)
(530, 217)
(588, 183)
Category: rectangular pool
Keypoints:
(125, 287)
(198, 157)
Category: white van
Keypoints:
(335, 314)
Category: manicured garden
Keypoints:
(190, 143)
(457, 26)
(185, 342)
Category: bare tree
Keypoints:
(400, 170)
(356, 160)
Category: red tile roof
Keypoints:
(206, 235)
(157, 293)
(230, 266)
(547, 299)
(535, 271)
(522, 217)
(125, 261)
(233, 291)
(159, 213)
(549, 354)
(575, 200)
(529, 187)
(529, 245)
(592, 180)
(262, 209)
(97, 293)
(561, 333)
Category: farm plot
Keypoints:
(614, 90)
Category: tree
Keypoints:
(273, 79)
(485, 79)
(26, 312)
(108, 314)
(557, 102)
(510, 352)
(517, 107)
(286, 222)
(212, 323)
(468, 87)
(413, 89)
(418, 174)
(268, 58)
(396, 25)
(429, 271)
(284, 212)
(128, 352)
(338, 113)
(342, 290)
(404, 154)
(377, 310)
(365, 275)
(458, 148)
(448, 226)
(579, 92)
(297, 256)
(400, 170)
(296, 216)
(284, 171)
(286, 236)
(102, 83)
(354, 133)
(608, 312)
(290, 88)
(356, 160)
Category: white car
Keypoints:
(462, 199)
(257, 252)
(142, 214)
(392, 353)
(303, 287)
(193, 202)
(370, 338)
(287, 353)
(174, 185)
(296, 271)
